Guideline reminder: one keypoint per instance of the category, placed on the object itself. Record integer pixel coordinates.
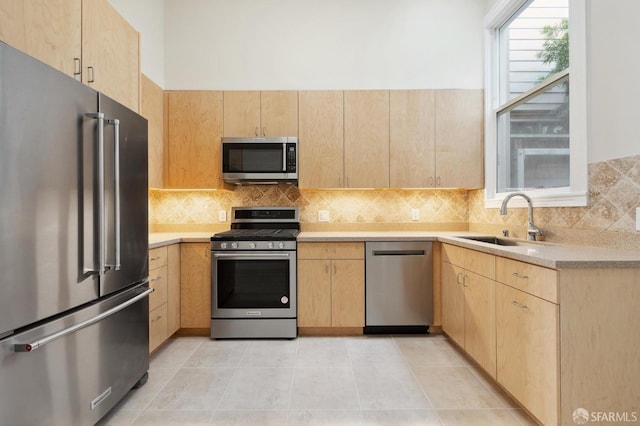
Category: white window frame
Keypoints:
(576, 193)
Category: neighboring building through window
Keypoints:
(530, 129)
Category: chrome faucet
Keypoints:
(532, 230)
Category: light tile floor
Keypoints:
(387, 380)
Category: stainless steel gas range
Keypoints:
(253, 274)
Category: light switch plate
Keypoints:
(323, 216)
(637, 218)
(415, 214)
(222, 215)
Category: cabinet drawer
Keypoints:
(480, 263)
(331, 250)
(157, 326)
(535, 280)
(157, 257)
(158, 281)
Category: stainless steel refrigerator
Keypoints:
(73, 247)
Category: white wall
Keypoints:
(323, 44)
(613, 74)
(147, 17)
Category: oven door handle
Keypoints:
(249, 255)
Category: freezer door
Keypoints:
(46, 191)
(78, 376)
(126, 196)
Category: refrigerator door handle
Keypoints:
(30, 347)
(101, 196)
(116, 221)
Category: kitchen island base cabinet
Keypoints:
(330, 288)
(195, 291)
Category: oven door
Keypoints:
(253, 284)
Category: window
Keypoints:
(536, 113)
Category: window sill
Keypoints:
(565, 199)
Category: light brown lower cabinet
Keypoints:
(164, 302)
(527, 350)
(331, 286)
(195, 291)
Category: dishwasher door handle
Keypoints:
(399, 253)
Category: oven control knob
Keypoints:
(252, 245)
(281, 245)
(284, 300)
(270, 245)
(234, 245)
(223, 245)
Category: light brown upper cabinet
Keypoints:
(48, 30)
(436, 139)
(366, 138)
(194, 130)
(152, 108)
(412, 138)
(262, 114)
(110, 53)
(459, 135)
(321, 155)
(86, 39)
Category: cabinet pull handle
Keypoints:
(264, 131)
(464, 280)
(334, 268)
(459, 278)
(431, 181)
(92, 75)
(326, 269)
(438, 181)
(156, 318)
(155, 258)
(256, 131)
(519, 305)
(517, 275)
(159, 277)
(77, 69)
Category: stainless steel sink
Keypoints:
(498, 241)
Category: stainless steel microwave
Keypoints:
(260, 160)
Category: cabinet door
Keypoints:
(321, 144)
(110, 53)
(527, 351)
(347, 293)
(279, 113)
(366, 138)
(157, 327)
(242, 113)
(314, 293)
(48, 30)
(173, 289)
(411, 138)
(195, 291)
(194, 139)
(152, 108)
(479, 320)
(453, 302)
(459, 137)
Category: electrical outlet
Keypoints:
(323, 216)
(637, 218)
(415, 214)
(222, 215)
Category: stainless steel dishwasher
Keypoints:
(398, 287)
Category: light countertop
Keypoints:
(539, 253)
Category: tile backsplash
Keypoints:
(608, 220)
(359, 209)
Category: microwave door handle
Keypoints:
(284, 157)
